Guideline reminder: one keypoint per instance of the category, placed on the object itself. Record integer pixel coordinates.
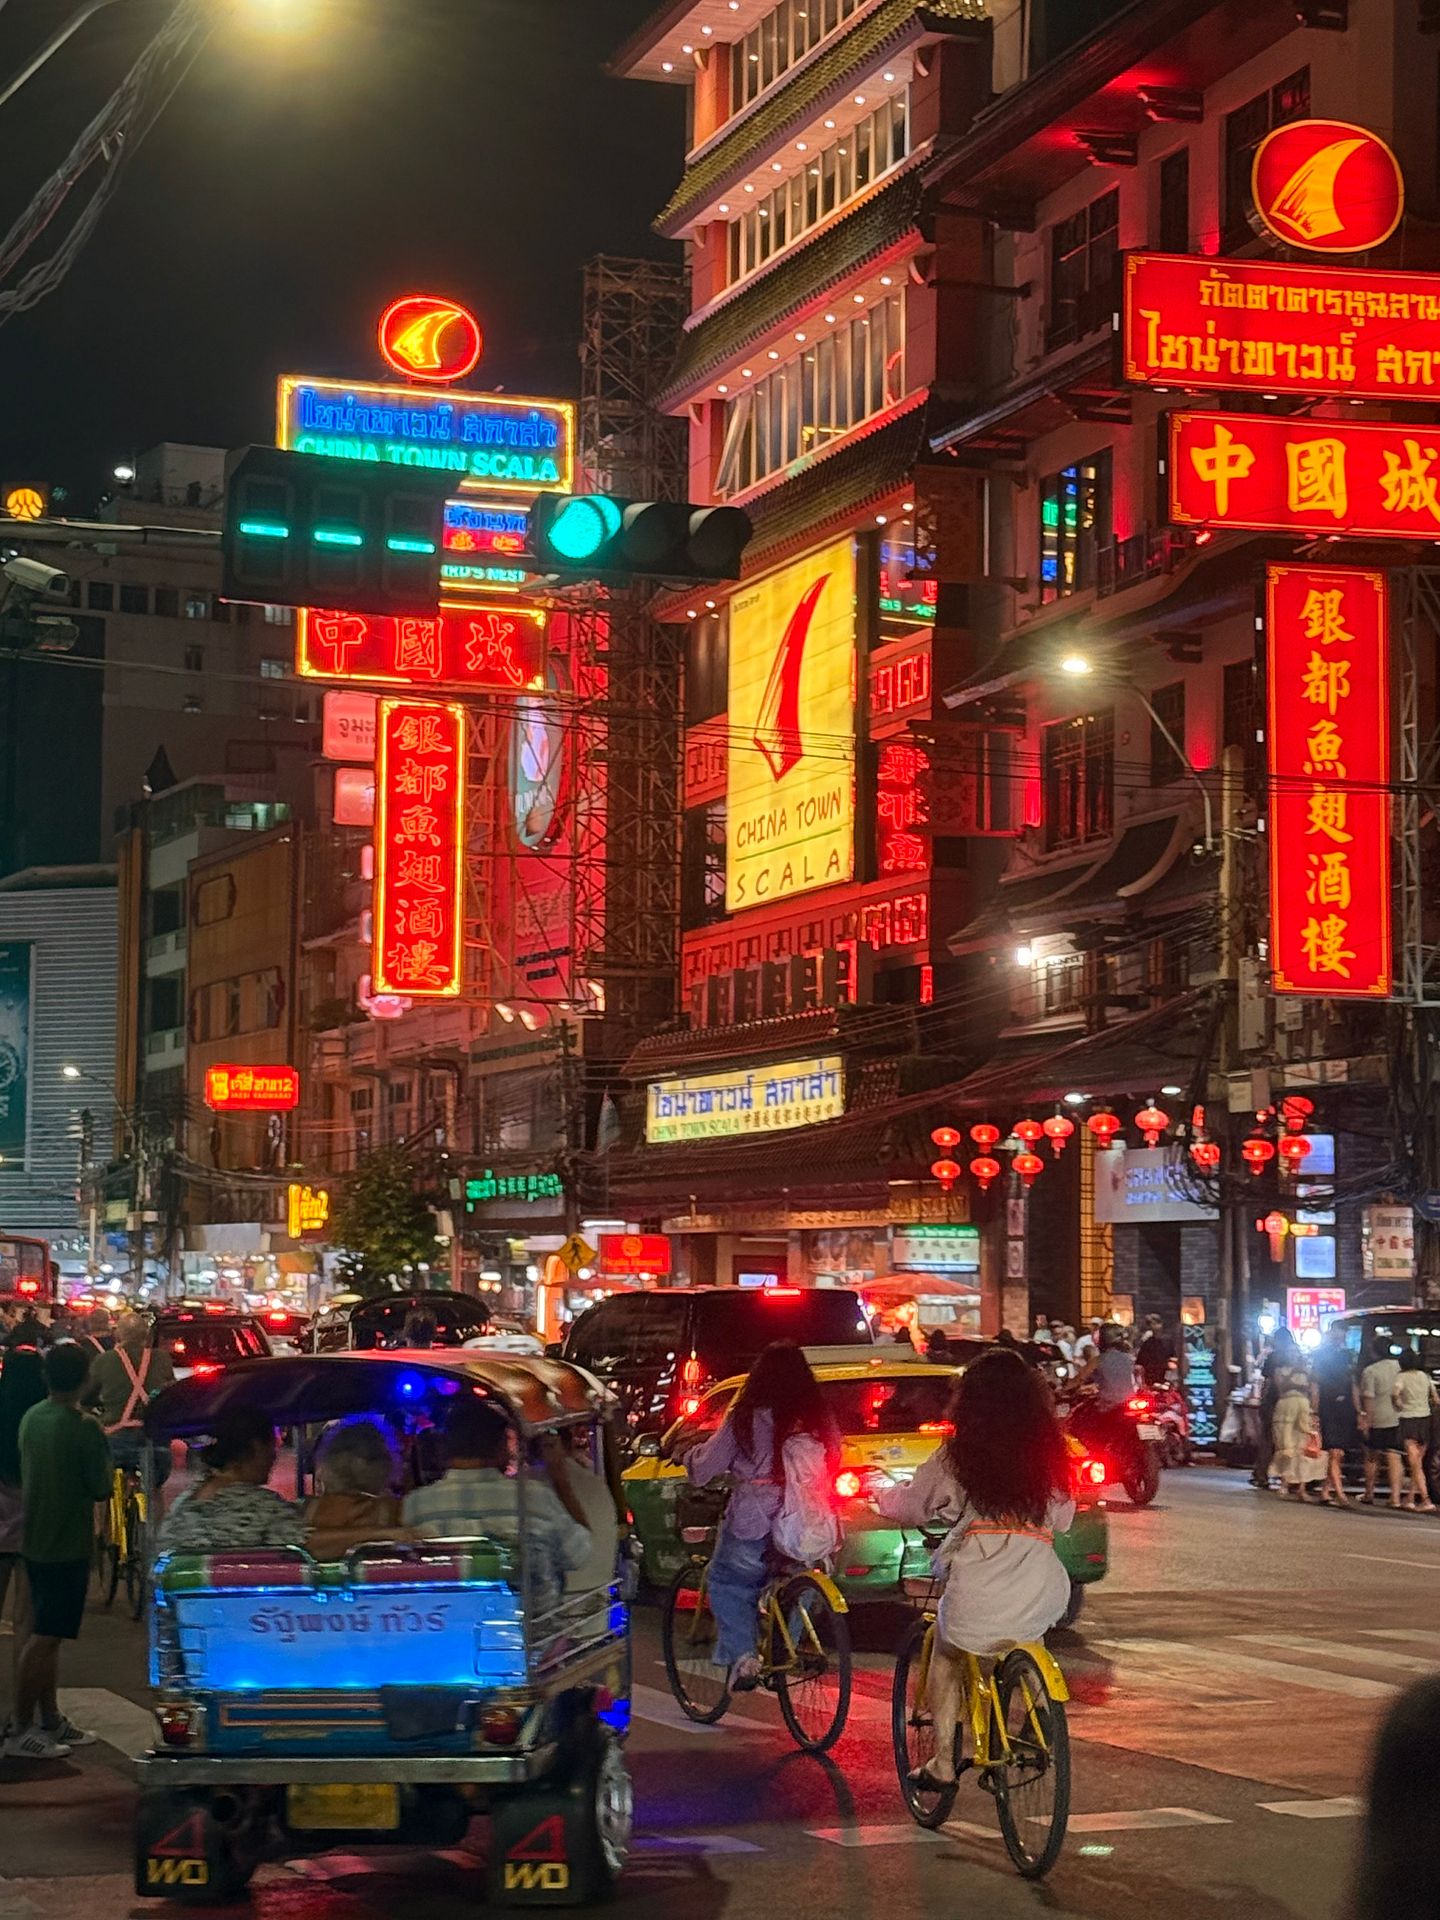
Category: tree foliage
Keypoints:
(383, 1222)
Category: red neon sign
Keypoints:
(1264, 326)
(233, 1089)
(498, 649)
(428, 339)
(1327, 186)
(1304, 476)
(901, 809)
(419, 848)
(634, 1253)
(1328, 634)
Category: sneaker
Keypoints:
(36, 1744)
(69, 1735)
(745, 1674)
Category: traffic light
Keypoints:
(590, 536)
(303, 530)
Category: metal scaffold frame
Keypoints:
(634, 311)
(1417, 767)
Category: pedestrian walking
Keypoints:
(64, 1471)
(1380, 1420)
(1283, 1353)
(1155, 1354)
(1414, 1396)
(22, 1386)
(1339, 1412)
(1299, 1458)
(30, 1330)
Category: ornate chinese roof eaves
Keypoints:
(812, 88)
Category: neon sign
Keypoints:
(232, 1089)
(901, 809)
(1328, 739)
(419, 848)
(1327, 186)
(427, 339)
(500, 649)
(307, 1210)
(487, 546)
(493, 443)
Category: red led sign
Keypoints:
(634, 1253)
(1327, 186)
(1328, 636)
(231, 1089)
(495, 649)
(419, 848)
(428, 339)
(1263, 326)
(1304, 476)
(901, 809)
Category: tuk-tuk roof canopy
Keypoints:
(310, 1389)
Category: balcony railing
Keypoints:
(1142, 556)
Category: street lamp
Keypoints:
(1079, 666)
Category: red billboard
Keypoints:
(1304, 476)
(635, 1254)
(494, 649)
(1267, 326)
(237, 1089)
(419, 848)
(1328, 740)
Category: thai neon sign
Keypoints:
(1327, 185)
(1328, 740)
(495, 649)
(419, 848)
(1266, 326)
(423, 338)
(240, 1089)
(485, 547)
(1304, 476)
(491, 442)
(307, 1210)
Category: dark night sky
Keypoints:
(301, 178)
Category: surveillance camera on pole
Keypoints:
(22, 627)
(34, 576)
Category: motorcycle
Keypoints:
(1126, 1441)
(1170, 1412)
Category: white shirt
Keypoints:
(1377, 1384)
(1412, 1393)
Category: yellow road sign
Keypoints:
(577, 1253)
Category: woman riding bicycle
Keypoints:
(779, 1403)
(1001, 1482)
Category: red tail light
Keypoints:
(946, 1427)
(1140, 1404)
(781, 1293)
(1091, 1473)
(847, 1484)
(277, 1319)
(27, 1286)
(690, 1404)
(206, 1367)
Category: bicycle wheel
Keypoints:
(912, 1732)
(814, 1688)
(137, 1556)
(688, 1634)
(1032, 1788)
(105, 1567)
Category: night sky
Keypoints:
(301, 178)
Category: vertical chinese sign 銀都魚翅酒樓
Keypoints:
(419, 848)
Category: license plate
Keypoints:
(1148, 1433)
(374, 1809)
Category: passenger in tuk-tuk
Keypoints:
(478, 1495)
(356, 1466)
(232, 1506)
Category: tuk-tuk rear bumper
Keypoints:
(163, 1771)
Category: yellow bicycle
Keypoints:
(1012, 1734)
(803, 1643)
(122, 1541)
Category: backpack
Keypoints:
(806, 1529)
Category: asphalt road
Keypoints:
(1227, 1679)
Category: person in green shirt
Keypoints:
(65, 1469)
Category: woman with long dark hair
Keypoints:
(780, 1402)
(1002, 1484)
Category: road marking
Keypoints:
(969, 1830)
(698, 1842)
(1341, 1650)
(894, 1836)
(1343, 1808)
(1140, 1820)
(662, 1710)
(1430, 1566)
(1221, 1659)
(111, 1718)
(1420, 1638)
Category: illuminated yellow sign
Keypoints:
(790, 772)
(797, 1093)
(308, 1210)
(25, 503)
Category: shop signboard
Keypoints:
(709, 1106)
(1387, 1243)
(1312, 1308)
(307, 1211)
(1328, 742)
(354, 797)
(919, 1247)
(1327, 186)
(15, 992)
(483, 649)
(419, 848)
(635, 1254)
(1144, 1186)
(246, 1089)
(348, 729)
(790, 774)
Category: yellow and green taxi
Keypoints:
(891, 1413)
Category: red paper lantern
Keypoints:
(947, 1172)
(1257, 1153)
(1057, 1130)
(1027, 1165)
(1029, 1131)
(1152, 1122)
(1104, 1125)
(985, 1170)
(1206, 1155)
(984, 1135)
(946, 1137)
(1294, 1148)
(1296, 1110)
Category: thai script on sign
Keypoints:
(796, 1093)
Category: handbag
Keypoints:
(12, 1518)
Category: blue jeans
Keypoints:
(126, 1449)
(738, 1574)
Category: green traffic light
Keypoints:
(584, 527)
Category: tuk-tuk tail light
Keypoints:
(179, 1723)
(500, 1726)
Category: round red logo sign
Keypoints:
(429, 339)
(1327, 186)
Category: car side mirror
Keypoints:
(647, 1447)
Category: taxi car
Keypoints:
(891, 1413)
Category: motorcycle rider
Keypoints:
(1111, 1370)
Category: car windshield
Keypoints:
(381, 1323)
(212, 1342)
(895, 1403)
(734, 1328)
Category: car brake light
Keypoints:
(277, 1319)
(781, 1293)
(28, 1286)
(947, 1427)
(203, 1367)
(690, 1404)
(1138, 1405)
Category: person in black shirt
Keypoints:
(1156, 1353)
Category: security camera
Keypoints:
(34, 576)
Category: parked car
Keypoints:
(367, 1325)
(661, 1350)
(203, 1337)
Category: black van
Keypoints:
(365, 1325)
(658, 1351)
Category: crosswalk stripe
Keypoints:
(908, 1835)
(1143, 1819)
(1221, 1659)
(110, 1717)
(662, 1710)
(698, 1843)
(1341, 1650)
(1413, 1634)
(1344, 1807)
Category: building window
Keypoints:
(134, 599)
(857, 370)
(703, 869)
(278, 616)
(1175, 201)
(192, 703)
(1059, 983)
(1074, 524)
(1241, 718)
(781, 39)
(194, 659)
(197, 604)
(1078, 766)
(1244, 130)
(1082, 271)
(167, 602)
(274, 669)
(831, 178)
(99, 596)
(1166, 766)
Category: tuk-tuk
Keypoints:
(391, 1695)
